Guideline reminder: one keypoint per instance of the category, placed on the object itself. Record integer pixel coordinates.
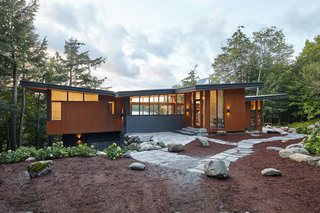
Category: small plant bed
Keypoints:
(195, 149)
(236, 137)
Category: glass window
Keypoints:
(253, 105)
(111, 107)
(144, 99)
(75, 96)
(55, 111)
(220, 109)
(57, 95)
(171, 109)
(163, 98)
(91, 97)
(259, 104)
(180, 98)
(134, 99)
(135, 109)
(163, 109)
(180, 109)
(213, 109)
(172, 98)
(154, 109)
(144, 109)
(197, 95)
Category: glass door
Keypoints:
(197, 114)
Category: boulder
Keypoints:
(285, 153)
(126, 155)
(30, 159)
(137, 166)
(272, 131)
(39, 168)
(145, 146)
(204, 141)
(314, 161)
(285, 128)
(312, 127)
(292, 130)
(161, 144)
(295, 145)
(173, 147)
(131, 139)
(300, 157)
(133, 146)
(255, 135)
(101, 153)
(273, 148)
(203, 130)
(271, 172)
(145, 138)
(221, 132)
(216, 169)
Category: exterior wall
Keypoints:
(236, 119)
(87, 117)
(156, 123)
(248, 115)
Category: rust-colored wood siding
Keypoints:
(87, 117)
(248, 115)
(236, 119)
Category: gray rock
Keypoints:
(314, 161)
(131, 139)
(284, 128)
(204, 141)
(173, 147)
(285, 140)
(39, 168)
(285, 153)
(30, 159)
(221, 132)
(133, 146)
(299, 157)
(273, 131)
(274, 148)
(292, 130)
(312, 127)
(145, 138)
(271, 172)
(217, 169)
(145, 146)
(126, 155)
(295, 145)
(137, 166)
(101, 153)
(255, 135)
(161, 144)
(203, 130)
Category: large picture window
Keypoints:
(55, 111)
(168, 104)
(216, 109)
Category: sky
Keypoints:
(152, 44)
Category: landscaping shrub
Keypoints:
(83, 150)
(56, 151)
(21, 154)
(303, 130)
(113, 151)
(312, 144)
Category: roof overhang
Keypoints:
(202, 87)
(267, 97)
(144, 92)
(43, 87)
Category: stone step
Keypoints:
(185, 132)
(191, 130)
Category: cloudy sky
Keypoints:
(154, 44)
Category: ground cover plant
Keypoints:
(57, 150)
(113, 151)
(312, 143)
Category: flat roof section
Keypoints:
(267, 97)
(42, 87)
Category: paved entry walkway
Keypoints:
(192, 164)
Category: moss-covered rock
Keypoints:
(40, 168)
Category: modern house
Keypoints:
(93, 116)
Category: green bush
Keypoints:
(83, 150)
(113, 151)
(57, 150)
(312, 144)
(303, 130)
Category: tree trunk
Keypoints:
(13, 120)
(22, 111)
